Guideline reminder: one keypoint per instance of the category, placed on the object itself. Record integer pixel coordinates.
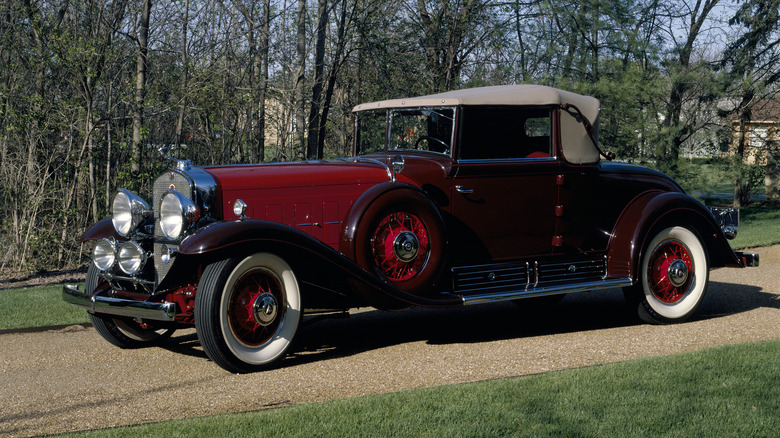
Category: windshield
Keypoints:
(426, 129)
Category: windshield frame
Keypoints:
(392, 114)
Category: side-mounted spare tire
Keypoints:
(400, 237)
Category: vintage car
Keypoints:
(465, 197)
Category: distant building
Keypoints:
(763, 132)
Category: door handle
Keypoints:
(463, 190)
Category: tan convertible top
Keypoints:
(577, 146)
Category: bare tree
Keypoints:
(140, 84)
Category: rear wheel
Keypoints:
(247, 311)
(673, 277)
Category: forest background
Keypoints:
(91, 89)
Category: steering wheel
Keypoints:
(425, 137)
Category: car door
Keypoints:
(504, 188)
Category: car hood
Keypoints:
(300, 174)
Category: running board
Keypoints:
(545, 290)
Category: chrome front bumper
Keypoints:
(119, 307)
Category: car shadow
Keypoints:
(596, 310)
(367, 330)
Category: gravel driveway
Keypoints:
(71, 379)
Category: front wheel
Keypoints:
(247, 311)
(124, 333)
(673, 277)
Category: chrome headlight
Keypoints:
(131, 258)
(128, 211)
(177, 214)
(104, 254)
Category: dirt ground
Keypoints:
(71, 379)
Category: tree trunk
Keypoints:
(140, 87)
(316, 89)
(300, 76)
(179, 137)
(739, 157)
(338, 60)
(772, 175)
(263, 86)
(681, 84)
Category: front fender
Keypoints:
(103, 229)
(314, 262)
(654, 210)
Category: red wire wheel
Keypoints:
(670, 272)
(247, 311)
(256, 307)
(401, 246)
(673, 277)
(400, 237)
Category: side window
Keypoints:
(505, 132)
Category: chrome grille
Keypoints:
(182, 185)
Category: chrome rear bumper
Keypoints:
(749, 259)
(118, 307)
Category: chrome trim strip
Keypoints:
(536, 274)
(118, 307)
(388, 169)
(545, 290)
(506, 160)
(109, 276)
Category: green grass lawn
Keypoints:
(37, 307)
(759, 226)
(729, 391)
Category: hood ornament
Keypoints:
(179, 163)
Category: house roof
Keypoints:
(763, 111)
(766, 110)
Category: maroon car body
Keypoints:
(477, 195)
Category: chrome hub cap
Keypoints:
(406, 246)
(678, 273)
(265, 309)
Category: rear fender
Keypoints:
(655, 210)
